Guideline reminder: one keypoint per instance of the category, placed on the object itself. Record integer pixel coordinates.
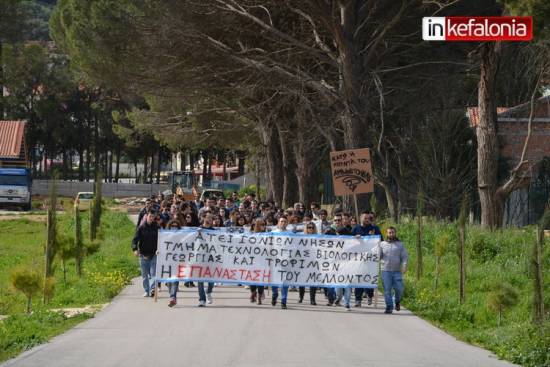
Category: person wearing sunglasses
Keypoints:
(310, 229)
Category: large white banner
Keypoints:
(267, 258)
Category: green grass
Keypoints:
(492, 258)
(105, 274)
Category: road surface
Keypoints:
(135, 331)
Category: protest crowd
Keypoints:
(253, 216)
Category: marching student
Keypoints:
(281, 227)
(257, 291)
(393, 259)
(310, 228)
(206, 297)
(173, 286)
(144, 245)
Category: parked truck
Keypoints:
(15, 187)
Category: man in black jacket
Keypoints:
(144, 245)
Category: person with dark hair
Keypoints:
(257, 291)
(241, 221)
(281, 227)
(217, 221)
(308, 229)
(366, 228)
(204, 297)
(325, 224)
(173, 286)
(143, 212)
(314, 208)
(144, 245)
(393, 260)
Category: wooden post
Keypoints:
(157, 290)
(356, 208)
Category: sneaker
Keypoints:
(172, 303)
(145, 294)
(337, 303)
(152, 293)
(300, 300)
(202, 304)
(388, 310)
(397, 306)
(357, 304)
(348, 308)
(369, 302)
(329, 304)
(313, 303)
(209, 298)
(283, 306)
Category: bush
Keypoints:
(251, 189)
(28, 282)
(503, 296)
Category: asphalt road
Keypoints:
(135, 331)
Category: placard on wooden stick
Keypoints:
(351, 172)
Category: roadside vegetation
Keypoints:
(497, 312)
(104, 274)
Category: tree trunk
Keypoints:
(306, 164)
(2, 111)
(240, 167)
(537, 265)
(289, 179)
(486, 131)
(97, 160)
(462, 265)
(88, 163)
(110, 165)
(273, 159)
(145, 168)
(117, 167)
(152, 169)
(419, 235)
(158, 164)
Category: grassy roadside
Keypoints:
(105, 274)
(493, 260)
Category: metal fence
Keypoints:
(109, 189)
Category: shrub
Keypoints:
(501, 298)
(28, 282)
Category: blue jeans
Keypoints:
(392, 280)
(173, 289)
(346, 292)
(202, 295)
(284, 294)
(148, 268)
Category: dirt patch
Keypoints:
(75, 311)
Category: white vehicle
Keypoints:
(15, 187)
